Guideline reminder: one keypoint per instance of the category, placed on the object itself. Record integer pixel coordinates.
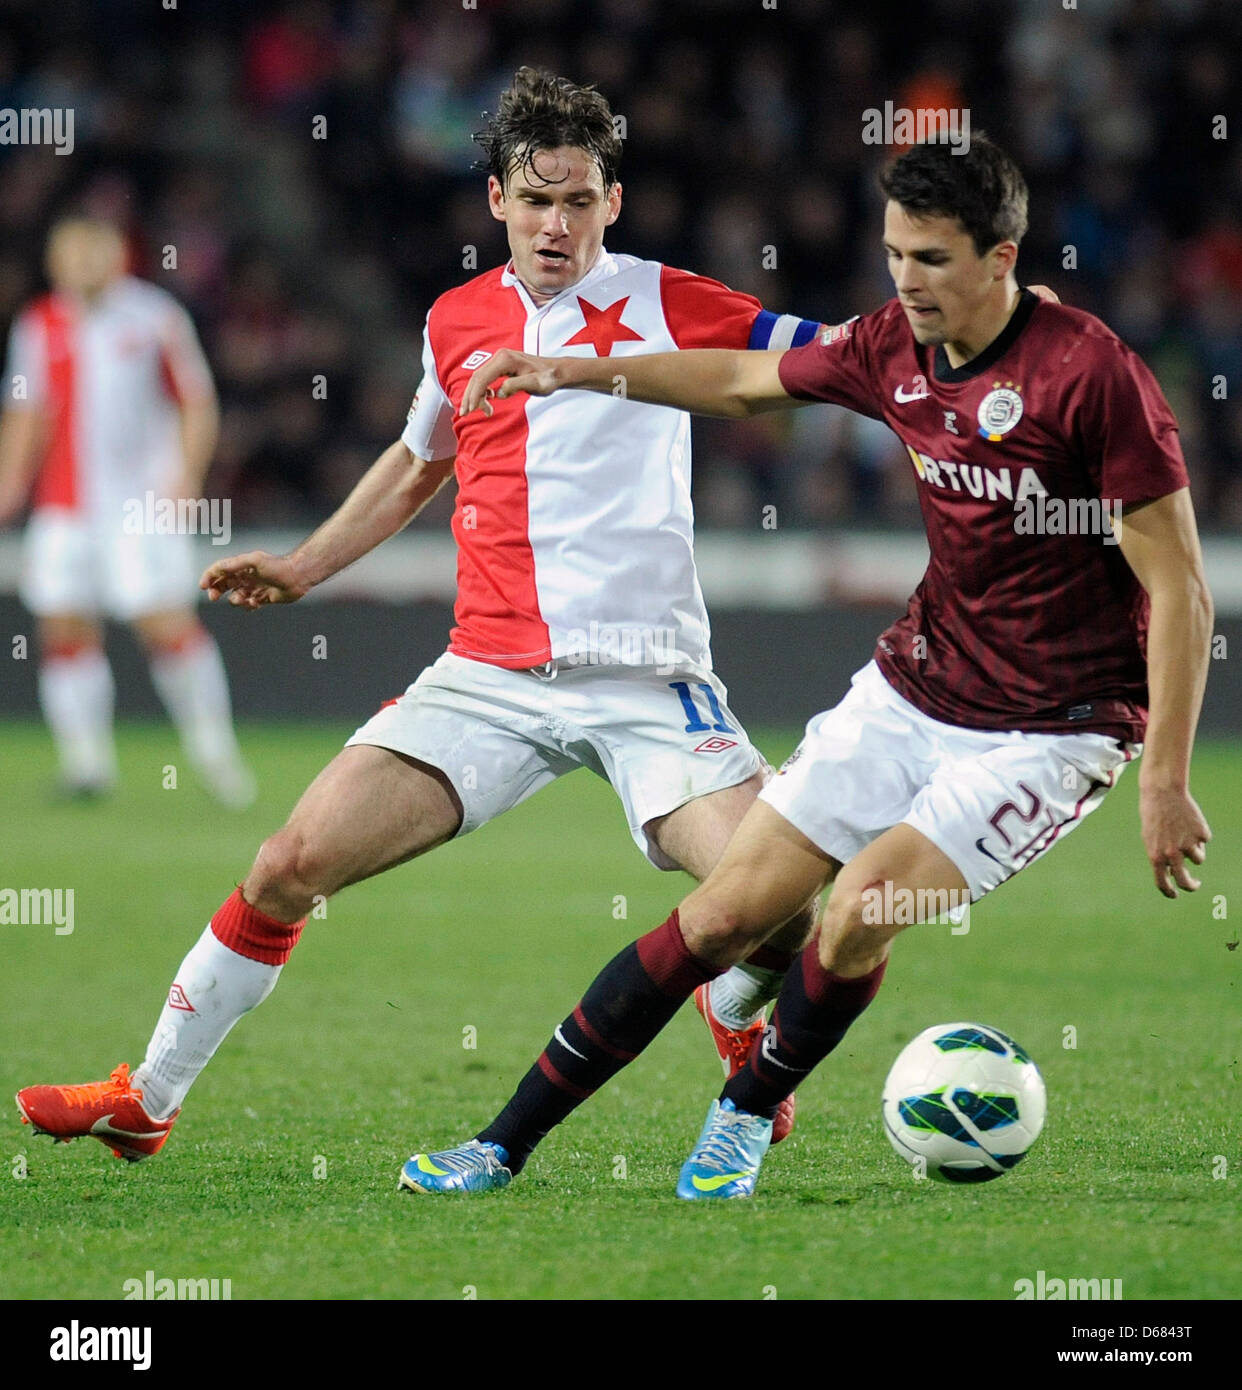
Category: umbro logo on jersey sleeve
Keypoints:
(476, 359)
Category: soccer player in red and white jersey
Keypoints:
(110, 406)
(581, 638)
(1026, 672)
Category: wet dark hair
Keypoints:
(983, 188)
(539, 111)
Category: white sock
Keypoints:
(76, 693)
(214, 987)
(195, 691)
(739, 995)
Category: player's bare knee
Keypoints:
(286, 877)
(718, 929)
(855, 924)
(164, 632)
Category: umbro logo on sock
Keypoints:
(177, 999)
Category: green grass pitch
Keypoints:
(281, 1173)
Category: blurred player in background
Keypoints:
(581, 637)
(998, 710)
(109, 406)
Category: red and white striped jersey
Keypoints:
(573, 522)
(110, 375)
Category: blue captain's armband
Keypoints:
(780, 331)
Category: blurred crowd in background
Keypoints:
(744, 160)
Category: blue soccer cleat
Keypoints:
(725, 1161)
(472, 1167)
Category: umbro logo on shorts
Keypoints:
(716, 745)
(476, 359)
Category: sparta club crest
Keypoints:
(999, 411)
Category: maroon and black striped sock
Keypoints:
(813, 1013)
(628, 1003)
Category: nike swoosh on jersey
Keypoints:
(983, 849)
(900, 396)
(711, 1184)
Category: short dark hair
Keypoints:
(539, 111)
(983, 188)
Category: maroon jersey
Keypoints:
(1028, 616)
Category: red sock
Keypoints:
(252, 933)
(767, 957)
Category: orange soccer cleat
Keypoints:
(110, 1110)
(733, 1047)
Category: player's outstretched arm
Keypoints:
(1161, 545)
(706, 381)
(388, 496)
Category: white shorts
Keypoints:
(71, 564)
(993, 802)
(499, 735)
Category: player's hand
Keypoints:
(254, 580)
(1049, 296)
(537, 376)
(1174, 830)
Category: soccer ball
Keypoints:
(963, 1103)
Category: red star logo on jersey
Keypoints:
(603, 327)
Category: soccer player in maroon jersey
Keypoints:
(1044, 644)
